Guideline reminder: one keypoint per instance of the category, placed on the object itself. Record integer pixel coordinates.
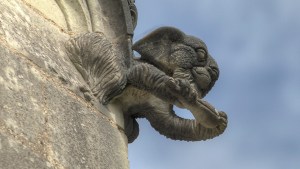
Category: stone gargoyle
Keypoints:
(174, 69)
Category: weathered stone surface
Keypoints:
(21, 98)
(111, 17)
(55, 122)
(44, 120)
(79, 16)
(14, 155)
(81, 137)
(37, 39)
(43, 43)
(49, 9)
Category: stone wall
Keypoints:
(45, 122)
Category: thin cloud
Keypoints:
(256, 44)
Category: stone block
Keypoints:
(44, 121)
(50, 9)
(55, 122)
(42, 43)
(14, 155)
(38, 40)
(21, 98)
(81, 137)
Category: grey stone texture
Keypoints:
(45, 122)
(19, 156)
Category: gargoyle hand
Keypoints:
(223, 121)
(187, 97)
(182, 90)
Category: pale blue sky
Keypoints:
(257, 46)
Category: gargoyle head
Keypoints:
(180, 56)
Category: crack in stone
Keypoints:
(46, 18)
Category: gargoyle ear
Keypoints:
(158, 43)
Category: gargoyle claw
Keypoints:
(182, 89)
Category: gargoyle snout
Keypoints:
(202, 78)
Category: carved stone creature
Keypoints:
(174, 69)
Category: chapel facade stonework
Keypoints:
(46, 121)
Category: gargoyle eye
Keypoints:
(202, 55)
(214, 71)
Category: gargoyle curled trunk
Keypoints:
(172, 126)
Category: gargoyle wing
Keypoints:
(93, 56)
